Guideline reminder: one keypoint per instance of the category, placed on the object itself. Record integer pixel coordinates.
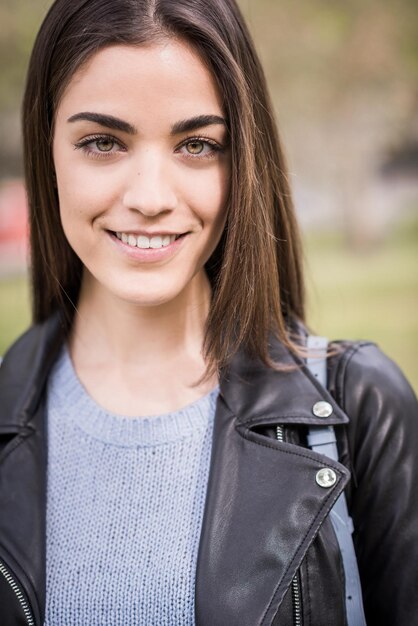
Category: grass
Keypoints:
(371, 295)
(14, 310)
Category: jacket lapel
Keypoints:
(263, 506)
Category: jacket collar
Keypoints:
(257, 394)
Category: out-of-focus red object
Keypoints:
(13, 227)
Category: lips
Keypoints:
(143, 241)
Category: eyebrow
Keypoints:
(104, 120)
(183, 126)
(196, 122)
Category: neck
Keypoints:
(129, 356)
(106, 328)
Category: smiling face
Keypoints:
(142, 163)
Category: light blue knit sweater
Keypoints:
(125, 503)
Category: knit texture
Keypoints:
(125, 503)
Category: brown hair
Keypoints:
(256, 270)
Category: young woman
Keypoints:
(141, 481)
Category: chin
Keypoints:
(148, 297)
(149, 301)
(146, 290)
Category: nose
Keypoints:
(149, 188)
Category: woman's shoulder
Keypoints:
(26, 364)
(360, 372)
(377, 398)
(379, 445)
(35, 342)
(361, 375)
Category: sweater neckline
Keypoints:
(67, 394)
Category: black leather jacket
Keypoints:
(266, 520)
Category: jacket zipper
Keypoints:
(296, 594)
(297, 604)
(18, 593)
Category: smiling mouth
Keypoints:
(142, 241)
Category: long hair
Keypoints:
(256, 270)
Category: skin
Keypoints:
(140, 319)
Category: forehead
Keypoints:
(158, 81)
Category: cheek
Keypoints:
(208, 195)
(80, 209)
(75, 211)
(82, 200)
(84, 191)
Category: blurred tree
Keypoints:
(343, 77)
(19, 21)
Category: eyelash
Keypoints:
(216, 148)
(85, 143)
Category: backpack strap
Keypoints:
(322, 439)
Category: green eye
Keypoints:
(104, 145)
(195, 147)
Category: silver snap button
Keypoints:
(322, 409)
(326, 477)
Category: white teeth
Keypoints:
(142, 241)
(156, 242)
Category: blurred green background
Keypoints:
(344, 82)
